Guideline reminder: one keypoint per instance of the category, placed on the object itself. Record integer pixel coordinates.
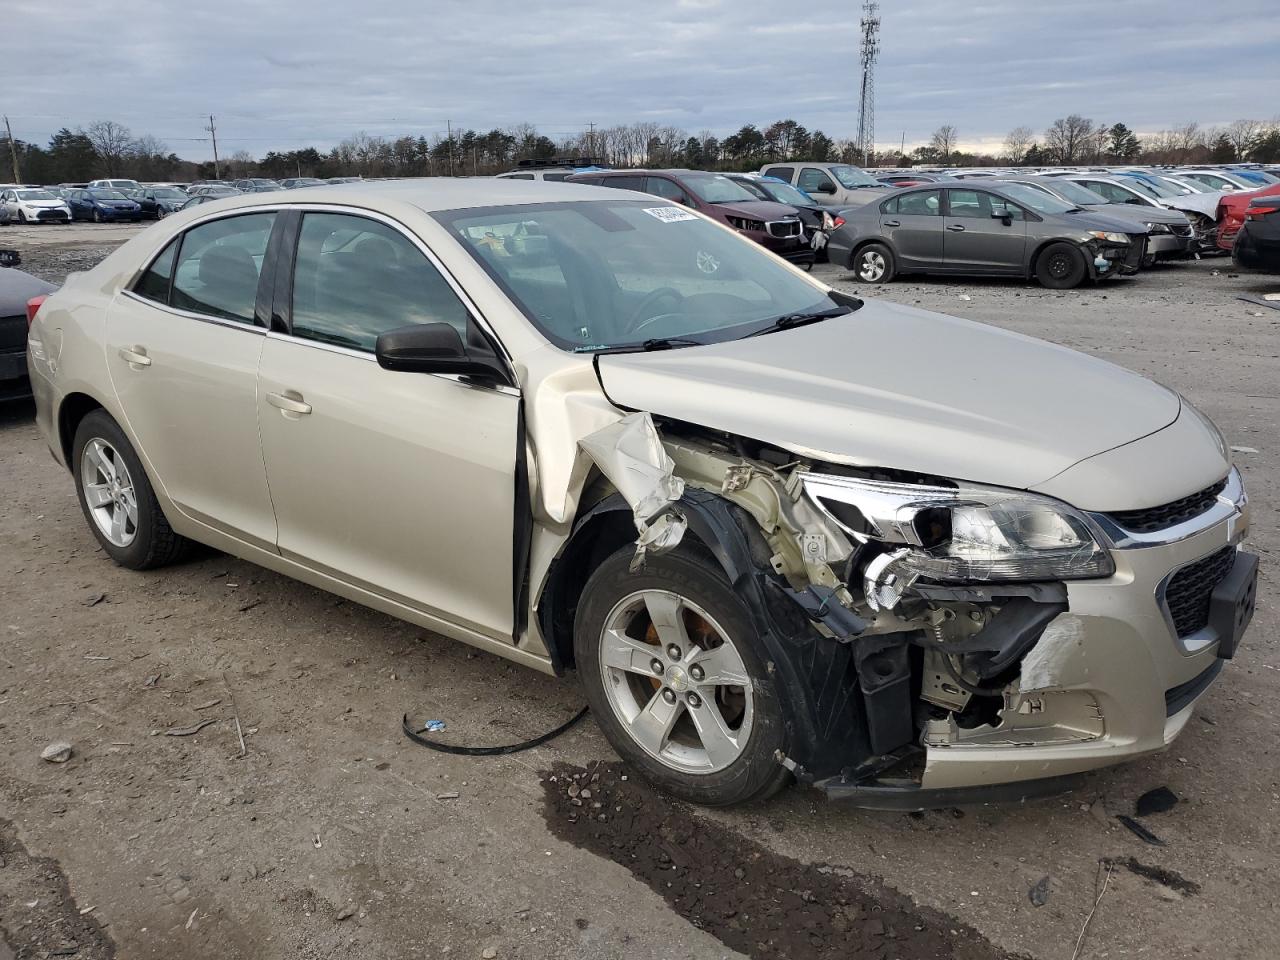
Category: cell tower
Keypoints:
(867, 103)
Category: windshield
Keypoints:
(1037, 200)
(605, 273)
(1074, 193)
(852, 177)
(35, 195)
(1158, 188)
(168, 193)
(786, 193)
(718, 189)
(101, 194)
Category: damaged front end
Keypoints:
(902, 613)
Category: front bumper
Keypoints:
(1167, 246)
(1107, 259)
(1110, 680)
(46, 214)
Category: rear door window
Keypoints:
(154, 283)
(782, 173)
(219, 264)
(922, 203)
(624, 183)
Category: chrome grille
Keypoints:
(784, 228)
(1166, 515)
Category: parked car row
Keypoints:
(116, 199)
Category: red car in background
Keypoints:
(775, 226)
(1232, 209)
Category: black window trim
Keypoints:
(281, 311)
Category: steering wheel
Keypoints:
(641, 316)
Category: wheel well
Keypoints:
(75, 407)
(1035, 255)
(866, 243)
(596, 539)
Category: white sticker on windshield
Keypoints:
(669, 214)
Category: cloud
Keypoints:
(297, 72)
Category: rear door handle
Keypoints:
(135, 356)
(891, 223)
(956, 227)
(289, 403)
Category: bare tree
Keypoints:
(1243, 135)
(944, 141)
(1069, 139)
(112, 142)
(1017, 143)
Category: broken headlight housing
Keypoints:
(965, 533)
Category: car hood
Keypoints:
(756, 209)
(894, 386)
(1089, 220)
(1119, 211)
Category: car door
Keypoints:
(183, 346)
(402, 484)
(984, 233)
(667, 189)
(912, 223)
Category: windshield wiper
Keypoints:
(789, 320)
(654, 343)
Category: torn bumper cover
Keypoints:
(631, 456)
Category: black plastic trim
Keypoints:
(1177, 699)
(906, 795)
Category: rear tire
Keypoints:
(706, 742)
(874, 263)
(1061, 266)
(109, 480)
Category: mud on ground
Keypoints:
(334, 837)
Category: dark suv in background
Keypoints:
(775, 226)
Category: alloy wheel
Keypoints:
(109, 492)
(871, 266)
(676, 682)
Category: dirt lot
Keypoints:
(334, 837)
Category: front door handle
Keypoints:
(135, 356)
(956, 227)
(289, 402)
(891, 223)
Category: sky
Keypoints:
(292, 73)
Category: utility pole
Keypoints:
(903, 148)
(449, 127)
(13, 151)
(213, 132)
(591, 139)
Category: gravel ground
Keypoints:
(333, 837)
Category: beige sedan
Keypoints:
(775, 531)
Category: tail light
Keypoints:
(839, 222)
(33, 307)
(1256, 212)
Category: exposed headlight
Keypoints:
(1158, 228)
(965, 533)
(1110, 237)
(828, 223)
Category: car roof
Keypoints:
(431, 194)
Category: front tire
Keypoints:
(874, 263)
(117, 499)
(22, 216)
(1061, 266)
(673, 669)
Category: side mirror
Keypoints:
(825, 188)
(433, 348)
(1003, 216)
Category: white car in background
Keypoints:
(34, 205)
(118, 184)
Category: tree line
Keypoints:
(106, 148)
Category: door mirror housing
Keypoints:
(825, 188)
(434, 348)
(1003, 216)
